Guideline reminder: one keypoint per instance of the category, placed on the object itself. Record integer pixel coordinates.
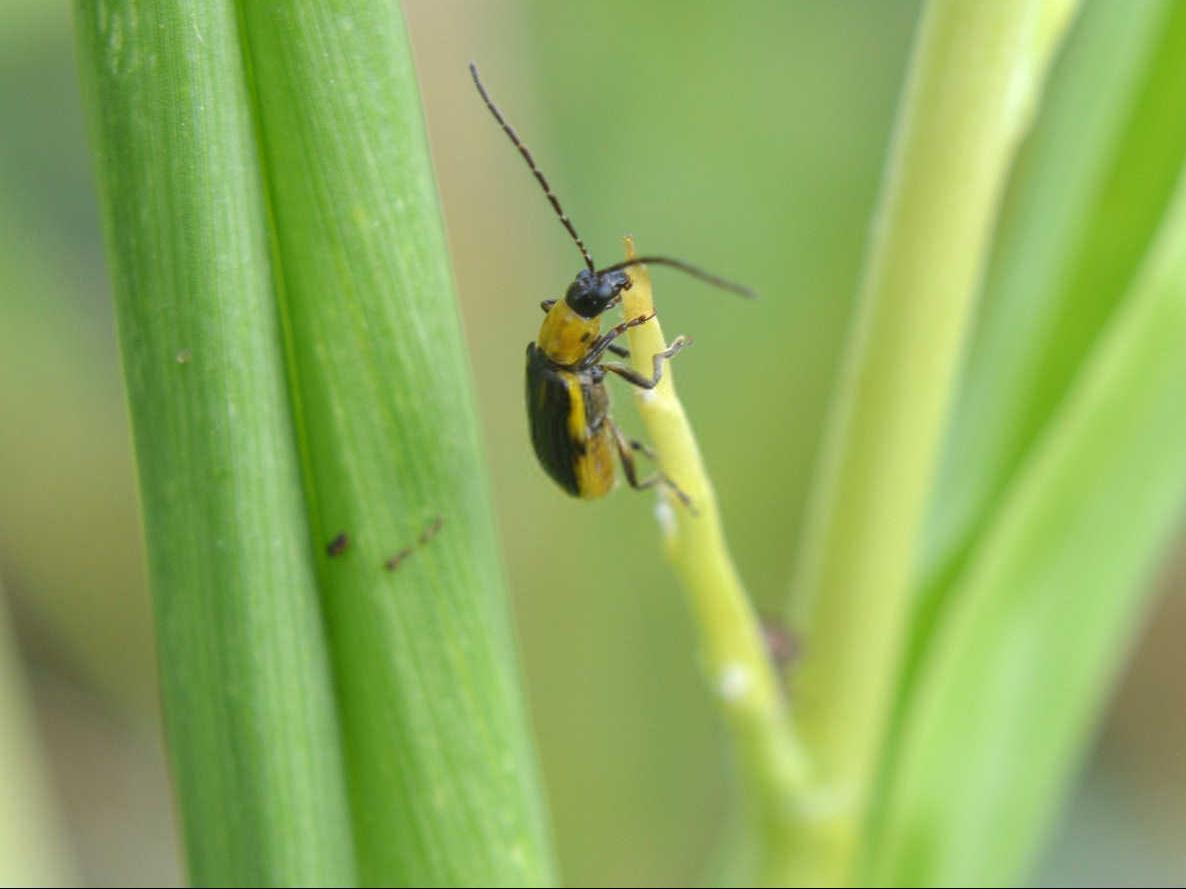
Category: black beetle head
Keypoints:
(591, 293)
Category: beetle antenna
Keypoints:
(523, 150)
(687, 268)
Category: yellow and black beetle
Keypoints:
(575, 439)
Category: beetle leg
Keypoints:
(547, 304)
(604, 341)
(634, 378)
(625, 448)
(637, 445)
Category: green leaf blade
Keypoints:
(1090, 191)
(443, 787)
(1039, 623)
(975, 73)
(247, 686)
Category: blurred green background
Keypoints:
(748, 137)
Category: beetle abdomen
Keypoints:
(574, 451)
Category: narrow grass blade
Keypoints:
(442, 780)
(1043, 614)
(1091, 188)
(247, 687)
(976, 70)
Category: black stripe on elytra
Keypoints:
(548, 407)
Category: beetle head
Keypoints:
(591, 293)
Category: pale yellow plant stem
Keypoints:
(733, 647)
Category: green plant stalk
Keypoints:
(733, 645)
(442, 779)
(30, 848)
(975, 71)
(246, 682)
(1046, 609)
(1090, 191)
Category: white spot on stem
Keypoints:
(734, 682)
(665, 516)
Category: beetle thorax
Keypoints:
(565, 336)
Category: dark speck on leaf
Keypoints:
(394, 562)
(425, 537)
(338, 545)
(431, 531)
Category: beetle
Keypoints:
(574, 436)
